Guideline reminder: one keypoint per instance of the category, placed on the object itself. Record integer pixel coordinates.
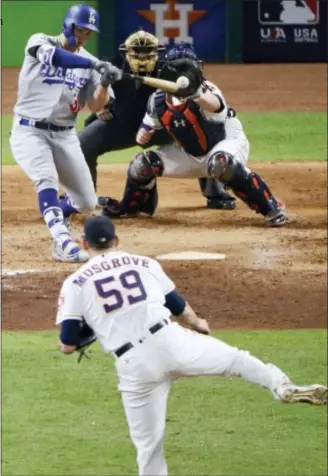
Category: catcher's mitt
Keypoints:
(87, 337)
(189, 68)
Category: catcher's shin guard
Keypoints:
(140, 194)
(137, 199)
(256, 194)
(248, 186)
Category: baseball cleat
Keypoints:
(65, 249)
(277, 217)
(111, 208)
(313, 394)
(222, 203)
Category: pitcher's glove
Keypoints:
(87, 337)
(189, 68)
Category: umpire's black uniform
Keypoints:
(120, 132)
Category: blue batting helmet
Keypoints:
(82, 16)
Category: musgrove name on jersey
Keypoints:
(108, 265)
(58, 75)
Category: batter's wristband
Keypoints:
(146, 126)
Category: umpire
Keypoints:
(115, 127)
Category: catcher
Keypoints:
(209, 140)
(116, 126)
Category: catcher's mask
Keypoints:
(141, 50)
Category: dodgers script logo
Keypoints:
(172, 20)
(288, 12)
(58, 75)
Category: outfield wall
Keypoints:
(223, 31)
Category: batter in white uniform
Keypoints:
(57, 79)
(128, 300)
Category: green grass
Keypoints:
(60, 418)
(273, 136)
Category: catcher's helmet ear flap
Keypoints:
(141, 50)
(82, 16)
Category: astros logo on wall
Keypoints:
(172, 20)
(288, 12)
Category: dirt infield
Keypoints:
(272, 278)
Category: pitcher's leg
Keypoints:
(205, 355)
(197, 354)
(146, 416)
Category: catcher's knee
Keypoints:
(145, 167)
(224, 167)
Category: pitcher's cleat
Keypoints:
(313, 394)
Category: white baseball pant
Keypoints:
(177, 163)
(49, 158)
(146, 372)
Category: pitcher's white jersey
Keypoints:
(120, 296)
(51, 93)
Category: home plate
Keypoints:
(191, 255)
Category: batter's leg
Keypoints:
(74, 174)
(146, 415)
(31, 150)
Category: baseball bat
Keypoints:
(167, 86)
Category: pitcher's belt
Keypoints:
(153, 329)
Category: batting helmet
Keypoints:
(141, 50)
(82, 16)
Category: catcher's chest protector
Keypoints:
(188, 125)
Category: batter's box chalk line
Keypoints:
(191, 256)
(20, 272)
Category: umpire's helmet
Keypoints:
(141, 50)
(82, 16)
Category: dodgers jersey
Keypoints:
(119, 295)
(51, 93)
(197, 131)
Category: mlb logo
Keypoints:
(288, 12)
